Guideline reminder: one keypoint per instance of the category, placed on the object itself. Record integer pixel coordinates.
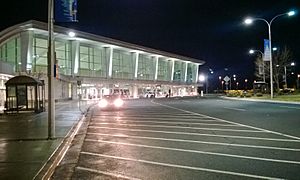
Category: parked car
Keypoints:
(149, 94)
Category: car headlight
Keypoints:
(118, 102)
(103, 103)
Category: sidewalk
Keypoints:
(24, 144)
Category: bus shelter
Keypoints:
(24, 93)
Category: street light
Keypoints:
(202, 79)
(250, 20)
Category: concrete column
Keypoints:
(197, 75)
(185, 71)
(75, 57)
(111, 51)
(135, 91)
(26, 40)
(172, 72)
(136, 54)
(156, 68)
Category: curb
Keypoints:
(260, 100)
(49, 167)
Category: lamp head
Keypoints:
(248, 21)
(291, 13)
(251, 51)
(293, 64)
(201, 78)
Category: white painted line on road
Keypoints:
(236, 109)
(290, 107)
(152, 115)
(159, 122)
(162, 119)
(196, 151)
(106, 173)
(197, 134)
(182, 127)
(181, 166)
(193, 141)
(261, 129)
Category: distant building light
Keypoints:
(201, 78)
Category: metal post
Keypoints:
(51, 98)
(271, 63)
(285, 82)
(264, 76)
(206, 84)
(298, 77)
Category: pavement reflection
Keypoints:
(24, 144)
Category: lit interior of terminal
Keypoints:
(91, 66)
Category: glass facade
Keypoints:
(164, 69)
(122, 65)
(93, 60)
(179, 71)
(40, 55)
(63, 59)
(10, 52)
(191, 73)
(146, 67)
(99, 64)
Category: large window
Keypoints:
(40, 54)
(163, 73)
(63, 58)
(123, 66)
(10, 52)
(92, 62)
(179, 71)
(84, 62)
(146, 67)
(191, 73)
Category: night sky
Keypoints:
(212, 30)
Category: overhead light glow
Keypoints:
(201, 78)
(251, 51)
(248, 21)
(291, 13)
(71, 34)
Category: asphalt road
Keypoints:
(192, 138)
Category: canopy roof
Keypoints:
(23, 80)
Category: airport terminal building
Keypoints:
(92, 65)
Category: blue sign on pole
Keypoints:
(267, 50)
(65, 11)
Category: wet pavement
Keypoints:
(175, 139)
(24, 143)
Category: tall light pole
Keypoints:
(252, 51)
(50, 56)
(250, 20)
